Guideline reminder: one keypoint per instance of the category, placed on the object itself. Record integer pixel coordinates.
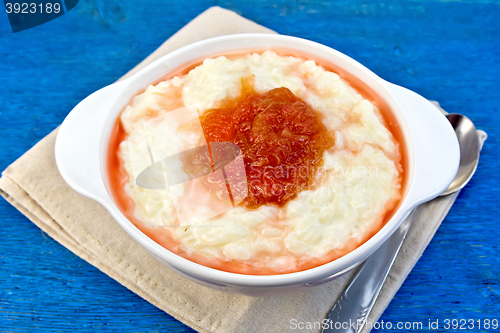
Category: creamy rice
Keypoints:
(358, 183)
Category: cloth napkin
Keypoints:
(34, 186)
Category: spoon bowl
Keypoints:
(469, 151)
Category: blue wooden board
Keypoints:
(445, 50)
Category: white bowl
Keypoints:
(431, 146)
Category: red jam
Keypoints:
(281, 138)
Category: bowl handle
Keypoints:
(78, 147)
(436, 149)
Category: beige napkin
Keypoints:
(33, 185)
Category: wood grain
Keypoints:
(445, 50)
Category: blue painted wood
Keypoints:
(446, 51)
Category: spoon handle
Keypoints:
(352, 309)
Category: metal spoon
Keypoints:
(352, 309)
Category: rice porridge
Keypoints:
(323, 169)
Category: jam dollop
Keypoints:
(282, 140)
